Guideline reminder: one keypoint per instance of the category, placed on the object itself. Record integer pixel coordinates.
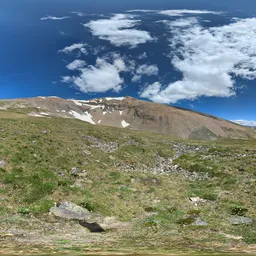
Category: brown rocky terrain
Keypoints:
(133, 114)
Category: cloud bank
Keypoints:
(209, 60)
(245, 122)
(119, 30)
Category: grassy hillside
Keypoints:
(142, 180)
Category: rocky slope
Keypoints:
(133, 114)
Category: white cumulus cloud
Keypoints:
(55, 18)
(119, 30)
(245, 122)
(80, 46)
(102, 77)
(209, 59)
(148, 70)
(76, 64)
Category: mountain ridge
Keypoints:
(131, 113)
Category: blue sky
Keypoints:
(191, 54)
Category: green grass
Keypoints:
(41, 152)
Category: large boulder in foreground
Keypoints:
(70, 211)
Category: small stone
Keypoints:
(197, 200)
(200, 222)
(74, 171)
(60, 173)
(2, 163)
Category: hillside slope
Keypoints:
(149, 192)
(133, 114)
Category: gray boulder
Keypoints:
(237, 220)
(70, 211)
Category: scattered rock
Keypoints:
(199, 222)
(77, 172)
(70, 211)
(74, 171)
(181, 149)
(197, 200)
(238, 220)
(60, 173)
(2, 163)
(108, 147)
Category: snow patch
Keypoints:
(99, 121)
(36, 114)
(78, 103)
(87, 117)
(44, 114)
(104, 113)
(85, 103)
(121, 112)
(93, 106)
(124, 124)
(118, 98)
(54, 97)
